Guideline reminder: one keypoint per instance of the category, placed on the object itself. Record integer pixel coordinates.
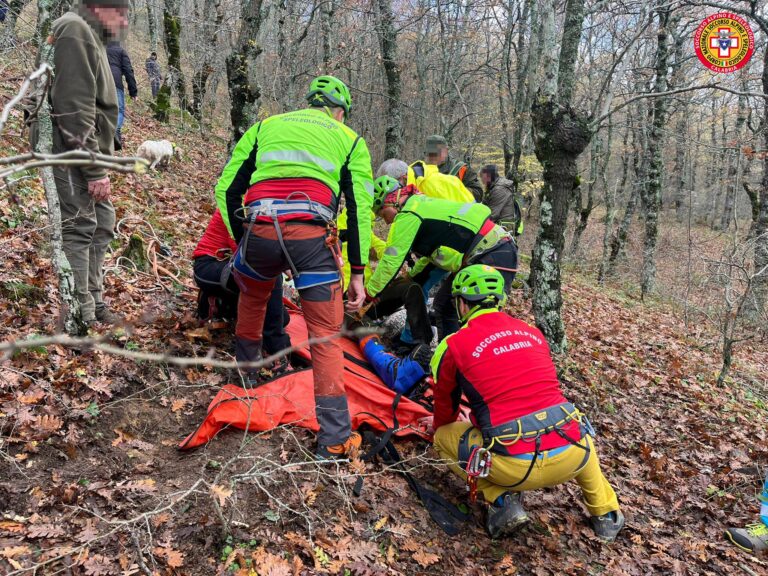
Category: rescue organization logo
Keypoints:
(724, 42)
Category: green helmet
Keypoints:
(479, 283)
(382, 187)
(329, 90)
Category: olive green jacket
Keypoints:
(83, 94)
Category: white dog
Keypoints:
(158, 152)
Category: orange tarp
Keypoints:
(289, 399)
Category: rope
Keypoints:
(163, 275)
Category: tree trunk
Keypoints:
(652, 190)
(171, 37)
(680, 185)
(761, 224)
(600, 154)
(610, 205)
(393, 146)
(244, 90)
(210, 38)
(560, 135)
(526, 87)
(501, 85)
(677, 80)
(71, 316)
(721, 163)
(152, 25)
(735, 166)
(326, 17)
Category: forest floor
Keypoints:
(92, 482)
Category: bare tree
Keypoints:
(652, 190)
(560, 135)
(244, 90)
(388, 41)
(171, 38)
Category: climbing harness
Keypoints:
(478, 466)
(333, 244)
(529, 428)
(273, 209)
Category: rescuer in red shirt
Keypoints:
(219, 293)
(522, 427)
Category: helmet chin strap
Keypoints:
(463, 319)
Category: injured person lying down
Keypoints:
(405, 374)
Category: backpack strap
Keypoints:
(458, 170)
(446, 514)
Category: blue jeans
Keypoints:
(120, 109)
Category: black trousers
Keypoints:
(503, 256)
(405, 292)
(209, 271)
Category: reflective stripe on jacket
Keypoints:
(440, 231)
(304, 144)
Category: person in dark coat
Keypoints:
(155, 74)
(500, 197)
(120, 64)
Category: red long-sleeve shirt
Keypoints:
(504, 368)
(215, 238)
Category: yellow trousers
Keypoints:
(549, 470)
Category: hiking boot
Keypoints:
(506, 515)
(752, 538)
(607, 526)
(106, 316)
(280, 367)
(347, 450)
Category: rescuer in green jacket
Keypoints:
(443, 234)
(279, 195)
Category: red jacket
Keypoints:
(504, 368)
(215, 239)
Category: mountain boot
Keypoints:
(106, 316)
(607, 526)
(506, 515)
(348, 450)
(752, 538)
(279, 367)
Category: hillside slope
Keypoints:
(91, 481)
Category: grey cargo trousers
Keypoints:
(87, 228)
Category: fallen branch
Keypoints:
(9, 348)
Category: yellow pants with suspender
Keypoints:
(553, 467)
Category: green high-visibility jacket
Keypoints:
(304, 144)
(439, 231)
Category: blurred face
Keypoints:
(388, 213)
(485, 178)
(462, 308)
(113, 18)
